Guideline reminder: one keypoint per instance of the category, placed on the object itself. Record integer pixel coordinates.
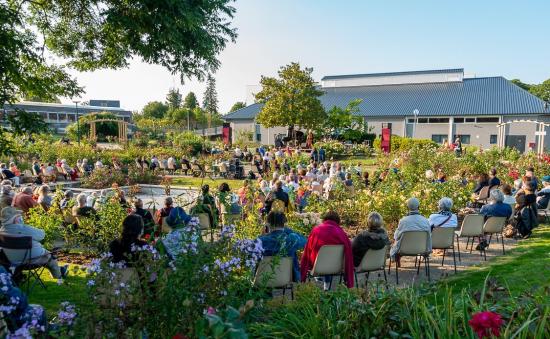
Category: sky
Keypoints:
(507, 38)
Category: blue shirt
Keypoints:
(284, 242)
(498, 209)
(177, 217)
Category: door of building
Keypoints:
(516, 141)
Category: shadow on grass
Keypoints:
(522, 268)
(73, 290)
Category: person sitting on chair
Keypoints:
(12, 225)
(277, 194)
(443, 218)
(207, 204)
(543, 196)
(148, 223)
(165, 211)
(23, 200)
(413, 221)
(121, 248)
(375, 238)
(328, 232)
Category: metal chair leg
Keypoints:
(458, 247)
(396, 273)
(291, 291)
(443, 259)
(427, 261)
(385, 277)
(356, 280)
(454, 258)
(502, 240)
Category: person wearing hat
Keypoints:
(413, 221)
(12, 225)
(543, 196)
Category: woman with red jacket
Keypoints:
(328, 232)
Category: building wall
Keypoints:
(398, 125)
(267, 135)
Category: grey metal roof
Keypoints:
(61, 108)
(472, 96)
(368, 75)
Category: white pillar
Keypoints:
(451, 130)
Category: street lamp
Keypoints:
(415, 112)
(77, 121)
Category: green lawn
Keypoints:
(198, 182)
(526, 266)
(73, 290)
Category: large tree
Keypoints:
(190, 101)
(183, 36)
(27, 123)
(521, 84)
(292, 99)
(236, 106)
(542, 91)
(154, 109)
(173, 99)
(210, 100)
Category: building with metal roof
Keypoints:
(447, 104)
(59, 116)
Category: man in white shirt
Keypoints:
(444, 218)
(413, 221)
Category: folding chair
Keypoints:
(413, 244)
(275, 273)
(9, 242)
(472, 227)
(443, 239)
(329, 261)
(483, 195)
(544, 213)
(204, 224)
(373, 260)
(495, 225)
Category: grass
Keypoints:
(198, 182)
(73, 290)
(524, 267)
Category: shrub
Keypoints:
(404, 144)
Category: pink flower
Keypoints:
(211, 310)
(486, 323)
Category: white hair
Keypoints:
(81, 199)
(497, 196)
(445, 204)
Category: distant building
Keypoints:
(59, 116)
(478, 110)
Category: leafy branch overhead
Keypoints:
(292, 99)
(184, 37)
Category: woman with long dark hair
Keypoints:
(121, 248)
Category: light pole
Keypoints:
(77, 121)
(415, 112)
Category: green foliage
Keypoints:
(292, 99)
(521, 84)
(24, 68)
(51, 221)
(182, 37)
(93, 235)
(6, 146)
(210, 100)
(103, 129)
(154, 109)
(191, 101)
(26, 123)
(340, 122)
(190, 143)
(337, 148)
(403, 144)
(173, 99)
(542, 90)
(237, 106)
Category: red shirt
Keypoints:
(24, 202)
(327, 233)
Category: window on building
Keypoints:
(438, 120)
(464, 138)
(458, 120)
(493, 139)
(439, 138)
(72, 117)
(487, 119)
(469, 119)
(422, 120)
(410, 120)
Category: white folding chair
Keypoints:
(413, 244)
(275, 273)
(443, 239)
(472, 227)
(495, 225)
(373, 260)
(329, 262)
